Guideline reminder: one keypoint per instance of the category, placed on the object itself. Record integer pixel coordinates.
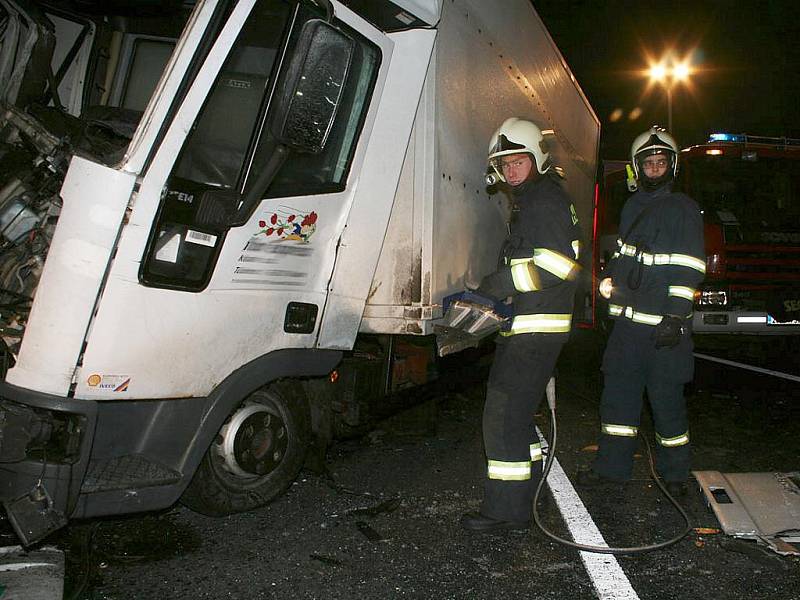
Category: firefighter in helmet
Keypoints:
(537, 270)
(650, 285)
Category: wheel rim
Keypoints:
(253, 442)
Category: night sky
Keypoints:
(746, 57)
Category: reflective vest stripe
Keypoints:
(678, 440)
(681, 291)
(523, 276)
(509, 471)
(536, 452)
(680, 260)
(684, 260)
(551, 261)
(636, 316)
(619, 430)
(540, 323)
(554, 262)
(640, 317)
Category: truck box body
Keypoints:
(446, 227)
(306, 182)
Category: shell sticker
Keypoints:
(113, 383)
(287, 224)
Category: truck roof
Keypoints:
(746, 147)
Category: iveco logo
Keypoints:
(236, 83)
(780, 236)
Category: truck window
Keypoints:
(231, 139)
(215, 149)
(215, 154)
(763, 192)
(148, 60)
(327, 171)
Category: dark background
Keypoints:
(745, 57)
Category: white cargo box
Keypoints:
(446, 226)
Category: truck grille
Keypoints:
(763, 264)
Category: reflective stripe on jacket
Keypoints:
(540, 263)
(658, 266)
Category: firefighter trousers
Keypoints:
(631, 365)
(523, 364)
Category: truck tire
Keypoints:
(256, 455)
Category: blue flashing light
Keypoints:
(727, 137)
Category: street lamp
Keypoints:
(668, 72)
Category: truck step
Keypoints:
(128, 471)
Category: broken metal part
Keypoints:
(325, 559)
(33, 515)
(369, 532)
(760, 506)
(370, 511)
(26, 52)
(19, 426)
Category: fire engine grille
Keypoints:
(760, 264)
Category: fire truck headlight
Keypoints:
(711, 298)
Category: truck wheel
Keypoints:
(256, 455)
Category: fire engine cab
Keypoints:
(749, 191)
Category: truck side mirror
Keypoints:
(311, 87)
(306, 100)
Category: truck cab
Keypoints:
(229, 228)
(748, 188)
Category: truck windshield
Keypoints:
(764, 192)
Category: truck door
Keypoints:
(217, 266)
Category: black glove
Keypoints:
(488, 288)
(669, 331)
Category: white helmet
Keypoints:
(516, 136)
(656, 140)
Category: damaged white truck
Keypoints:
(227, 230)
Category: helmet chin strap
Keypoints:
(650, 185)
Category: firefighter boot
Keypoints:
(475, 521)
(588, 478)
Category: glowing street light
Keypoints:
(668, 72)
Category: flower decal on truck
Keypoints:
(289, 226)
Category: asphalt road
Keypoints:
(382, 522)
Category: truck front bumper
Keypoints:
(740, 322)
(45, 443)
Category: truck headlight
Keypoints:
(711, 298)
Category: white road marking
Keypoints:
(29, 565)
(731, 363)
(608, 578)
(31, 574)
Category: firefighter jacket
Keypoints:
(539, 265)
(661, 260)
